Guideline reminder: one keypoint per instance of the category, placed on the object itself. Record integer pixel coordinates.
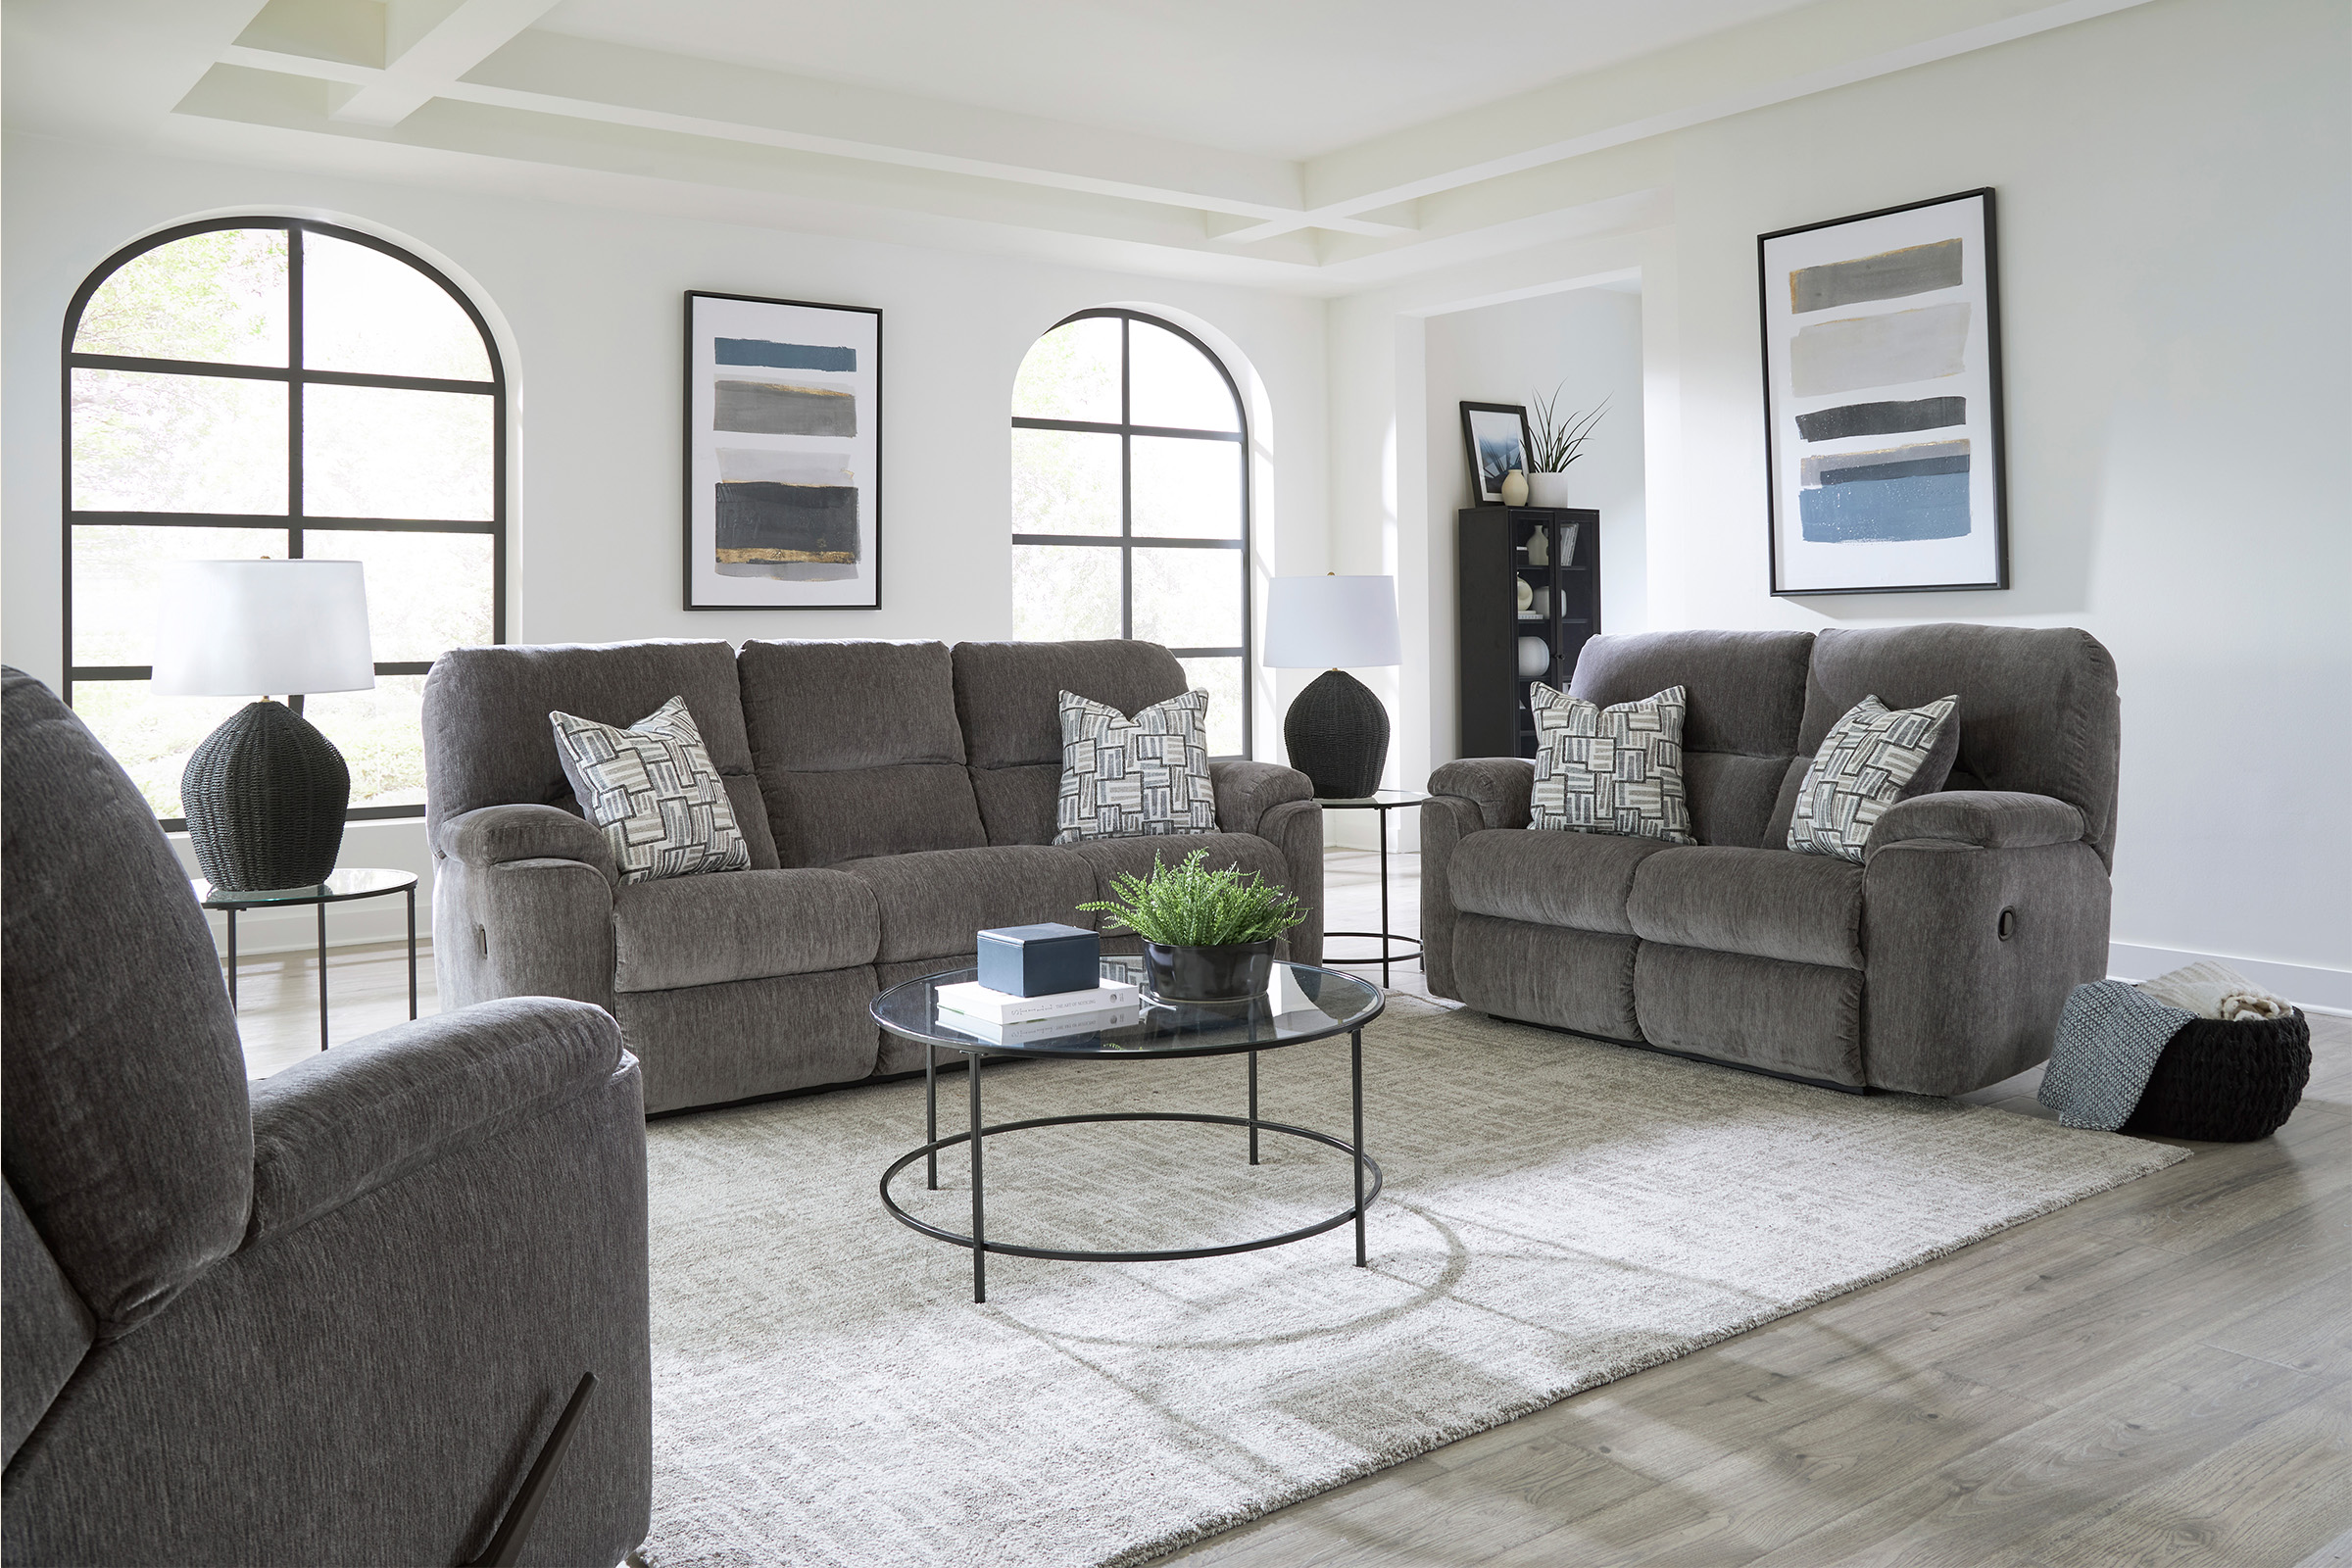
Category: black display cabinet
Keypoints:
(1496, 550)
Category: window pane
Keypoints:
(116, 573)
(148, 442)
(1064, 482)
(1072, 372)
(369, 312)
(426, 592)
(1064, 591)
(372, 452)
(1221, 679)
(1189, 598)
(1173, 384)
(150, 736)
(217, 297)
(381, 736)
(1188, 489)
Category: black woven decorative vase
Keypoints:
(1337, 734)
(2227, 1082)
(265, 797)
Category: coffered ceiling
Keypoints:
(1323, 145)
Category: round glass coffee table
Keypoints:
(1300, 1003)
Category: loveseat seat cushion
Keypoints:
(1765, 904)
(740, 926)
(1577, 880)
(931, 902)
(856, 749)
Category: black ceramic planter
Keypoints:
(1232, 973)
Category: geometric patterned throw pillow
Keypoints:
(652, 788)
(1127, 777)
(1865, 764)
(1610, 769)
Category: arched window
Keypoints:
(1131, 501)
(253, 387)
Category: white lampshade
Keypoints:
(1332, 623)
(263, 629)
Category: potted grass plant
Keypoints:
(1556, 441)
(1208, 936)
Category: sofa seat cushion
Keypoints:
(932, 903)
(1577, 880)
(747, 925)
(1111, 858)
(1766, 904)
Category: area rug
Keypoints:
(1560, 1213)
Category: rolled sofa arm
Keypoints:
(494, 835)
(1246, 791)
(338, 1125)
(1985, 819)
(1501, 787)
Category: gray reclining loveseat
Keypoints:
(1936, 967)
(897, 798)
(329, 1319)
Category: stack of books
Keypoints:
(1005, 1020)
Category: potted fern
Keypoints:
(1553, 443)
(1208, 936)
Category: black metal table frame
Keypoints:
(978, 1133)
(230, 910)
(1387, 938)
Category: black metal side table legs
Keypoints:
(340, 887)
(971, 1067)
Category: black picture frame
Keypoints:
(1487, 495)
(1990, 430)
(871, 485)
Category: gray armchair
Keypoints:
(331, 1320)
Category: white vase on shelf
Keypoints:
(1514, 489)
(1534, 657)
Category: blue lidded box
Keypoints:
(1040, 961)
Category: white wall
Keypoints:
(590, 302)
(2173, 184)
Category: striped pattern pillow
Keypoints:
(1127, 777)
(1610, 769)
(1864, 764)
(654, 791)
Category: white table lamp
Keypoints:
(264, 793)
(1336, 731)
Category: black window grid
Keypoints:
(1127, 541)
(293, 522)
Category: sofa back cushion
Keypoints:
(1008, 702)
(128, 1138)
(2038, 710)
(1745, 692)
(487, 741)
(856, 749)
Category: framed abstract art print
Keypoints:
(783, 455)
(1882, 401)
(1495, 441)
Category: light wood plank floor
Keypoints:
(2157, 1375)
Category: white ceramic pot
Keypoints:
(1534, 659)
(1547, 490)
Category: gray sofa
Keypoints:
(897, 798)
(1936, 967)
(328, 1320)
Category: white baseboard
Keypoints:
(2307, 986)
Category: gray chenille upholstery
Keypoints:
(1892, 974)
(327, 1319)
(897, 798)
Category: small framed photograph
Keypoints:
(1494, 440)
(1882, 401)
(783, 454)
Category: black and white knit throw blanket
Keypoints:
(2109, 1038)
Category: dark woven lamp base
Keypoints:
(1337, 735)
(263, 795)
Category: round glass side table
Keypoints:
(344, 887)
